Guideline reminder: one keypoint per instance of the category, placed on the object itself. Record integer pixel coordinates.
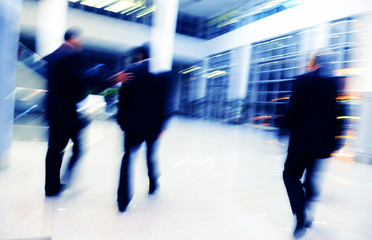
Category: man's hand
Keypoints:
(122, 77)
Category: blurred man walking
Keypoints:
(142, 114)
(69, 80)
(314, 127)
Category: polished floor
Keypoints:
(218, 182)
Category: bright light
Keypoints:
(146, 11)
(105, 3)
(346, 137)
(190, 69)
(349, 117)
(120, 6)
(278, 99)
(92, 3)
(133, 9)
(348, 71)
(350, 98)
(217, 73)
(231, 21)
(261, 117)
(74, 0)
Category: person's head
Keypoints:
(73, 36)
(322, 58)
(141, 53)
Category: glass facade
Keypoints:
(204, 92)
(247, 13)
(217, 85)
(342, 41)
(272, 67)
(188, 100)
(273, 64)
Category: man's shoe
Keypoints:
(123, 206)
(309, 222)
(300, 229)
(56, 193)
(154, 186)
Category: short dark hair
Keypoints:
(72, 33)
(143, 51)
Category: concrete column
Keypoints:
(162, 35)
(51, 25)
(240, 59)
(198, 84)
(364, 139)
(202, 80)
(10, 14)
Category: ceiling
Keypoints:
(208, 8)
(202, 8)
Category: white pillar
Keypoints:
(162, 35)
(51, 25)
(202, 81)
(239, 73)
(364, 140)
(240, 59)
(10, 14)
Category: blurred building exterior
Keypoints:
(235, 64)
(9, 32)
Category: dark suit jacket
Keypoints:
(143, 103)
(69, 80)
(312, 116)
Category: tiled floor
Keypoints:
(218, 182)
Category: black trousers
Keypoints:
(132, 142)
(301, 194)
(59, 136)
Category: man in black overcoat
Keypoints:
(69, 79)
(314, 128)
(143, 110)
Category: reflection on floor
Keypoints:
(218, 182)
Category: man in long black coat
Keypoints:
(314, 127)
(69, 80)
(143, 110)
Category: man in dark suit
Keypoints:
(314, 127)
(69, 80)
(142, 114)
